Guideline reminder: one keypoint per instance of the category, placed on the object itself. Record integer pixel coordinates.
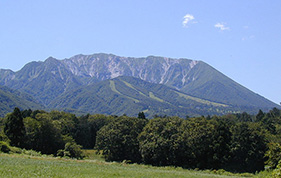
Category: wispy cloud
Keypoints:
(221, 26)
(187, 19)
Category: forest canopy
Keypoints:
(233, 142)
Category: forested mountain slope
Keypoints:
(9, 99)
(53, 78)
(129, 95)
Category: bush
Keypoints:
(72, 150)
(30, 152)
(4, 147)
(4, 137)
(277, 172)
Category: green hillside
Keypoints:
(128, 95)
(213, 85)
(9, 99)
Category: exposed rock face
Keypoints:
(152, 69)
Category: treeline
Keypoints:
(234, 142)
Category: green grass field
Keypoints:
(15, 165)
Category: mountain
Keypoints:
(48, 80)
(189, 76)
(42, 80)
(9, 99)
(129, 95)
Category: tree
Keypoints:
(32, 133)
(197, 138)
(244, 117)
(275, 112)
(50, 139)
(71, 149)
(220, 146)
(141, 115)
(159, 142)
(248, 147)
(88, 127)
(273, 154)
(14, 128)
(66, 122)
(118, 139)
(260, 116)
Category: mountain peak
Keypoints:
(50, 59)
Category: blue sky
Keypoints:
(240, 38)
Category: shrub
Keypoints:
(4, 137)
(4, 147)
(72, 150)
(277, 172)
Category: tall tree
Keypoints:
(159, 142)
(141, 115)
(260, 116)
(248, 147)
(118, 139)
(14, 128)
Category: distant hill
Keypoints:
(129, 95)
(46, 81)
(9, 99)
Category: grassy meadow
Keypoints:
(17, 165)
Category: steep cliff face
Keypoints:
(160, 70)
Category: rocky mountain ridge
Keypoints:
(152, 69)
(47, 80)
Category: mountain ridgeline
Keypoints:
(109, 84)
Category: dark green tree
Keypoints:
(50, 139)
(159, 142)
(275, 112)
(32, 133)
(268, 122)
(248, 148)
(244, 117)
(141, 115)
(198, 142)
(71, 149)
(260, 116)
(118, 139)
(220, 146)
(26, 113)
(88, 127)
(14, 128)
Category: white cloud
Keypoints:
(187, 19)
(221, 26)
